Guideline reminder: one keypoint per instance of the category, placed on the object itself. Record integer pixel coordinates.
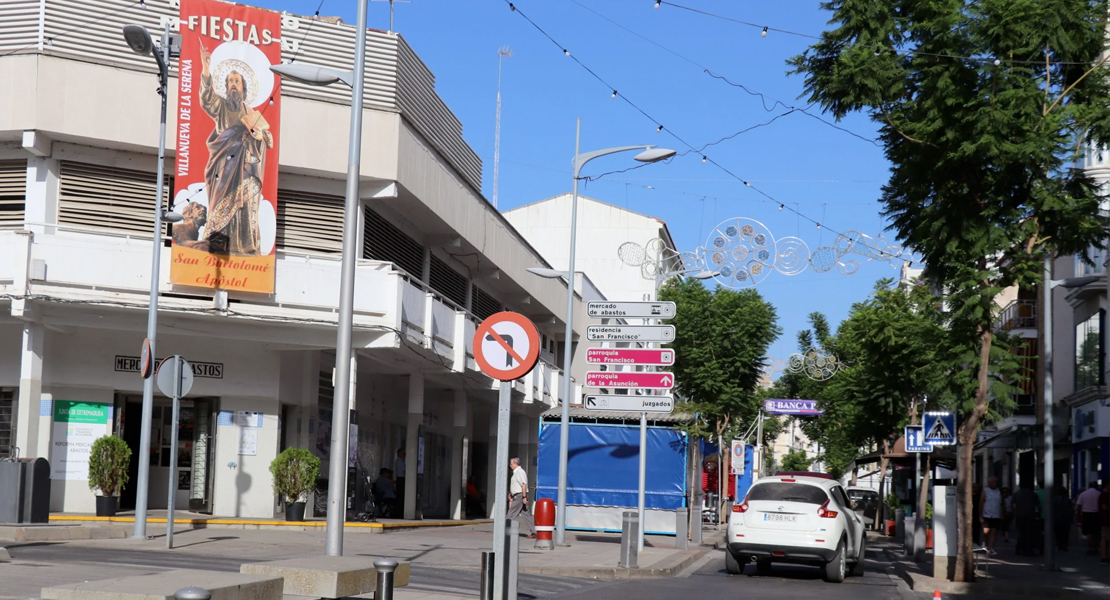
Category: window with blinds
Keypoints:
(7, 401)
(484, 304)
(13, 192)
(109, 198)
(383, 241)
(447, 281)
(309, 222)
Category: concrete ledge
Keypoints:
(263, 524)
(61, 533)
(161, 586)
(326, 576)
(663, 569)
(4, 554)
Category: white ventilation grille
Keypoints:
(13, 193)
(309, 222)
(108, 198)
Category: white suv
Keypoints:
(801, 518)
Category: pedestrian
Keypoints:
(386, 492)
(1104, 521)
(1007, 514)
(399, 468)
(1062, 513)
(1027, 509)
(1086, 508)
(518, 496)
(976, 515)
(475, 507)
(991, 507)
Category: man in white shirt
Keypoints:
(518, 497)
(1086, 507)
(399, 476)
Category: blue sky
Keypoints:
(827, 174)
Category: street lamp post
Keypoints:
(139, 40)
(1049, 458)
(337, 467)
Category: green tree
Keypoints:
(796, 460)
(982, 106)
(721, 341)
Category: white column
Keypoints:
(416, 417)
(491, 464)
(458, 446)
(41, 206)
(27, 422)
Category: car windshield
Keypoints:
(862, 495)
(788, 492)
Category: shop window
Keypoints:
(384, 241)
(447, 281)
(1089, 353)
(309, 222)
(7, 420)
(102, 197)
(1093, 262)
(13, 193)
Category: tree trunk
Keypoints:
(923, 497)
(855, 476)
(880, 511)
(965, 567)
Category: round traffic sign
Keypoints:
(165, 377)
(506, 346)
(146, 366)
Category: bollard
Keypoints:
(514, 560)
(695, 521)
(680, 526)
(544, 513)
(485, 586)
(630, 533)
(384, 588)
(192, 593)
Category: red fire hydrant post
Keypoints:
(545, 523)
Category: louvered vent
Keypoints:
(109, 198)
(7, 420)
(484, 304)
(447, 281)
(13, 193)
(309, 222)
(383, 241)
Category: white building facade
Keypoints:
(78, 136)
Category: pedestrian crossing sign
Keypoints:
(940, 428)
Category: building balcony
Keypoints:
(1019, 316)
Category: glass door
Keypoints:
(203, 456)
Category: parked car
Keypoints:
(865, 503)
(796, 518)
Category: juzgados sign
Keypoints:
(791, 407)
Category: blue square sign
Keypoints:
(940, 428)
(914, 443)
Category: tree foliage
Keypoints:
(721, 341)
(982, 107)
(796, 460)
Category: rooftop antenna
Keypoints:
(391, 10)
(502, 53)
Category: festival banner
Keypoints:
(228, 114)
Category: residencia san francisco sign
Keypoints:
(630, 333)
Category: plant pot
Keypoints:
(890, 526)
(294, 511)
(106, 506)
(928, 539)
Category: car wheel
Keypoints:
(857, 567)
(734, 564)
(763, 568)
(835, 568)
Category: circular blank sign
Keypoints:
(165, 376)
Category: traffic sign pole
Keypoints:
(501, 489)
(171, 500)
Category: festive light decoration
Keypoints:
(816, 363)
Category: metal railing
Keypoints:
(1019, 314)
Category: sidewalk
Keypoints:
(1007, 574)
(590, 556)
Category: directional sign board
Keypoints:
(630, 356)
(506, 346)
(630, 333)
(940, 428)
(612, 379)
(622, 403)
(631, 310)
(914, 439)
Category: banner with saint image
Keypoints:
(228, 114)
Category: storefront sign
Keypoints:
(1089, 421)
(228, 115)
(791, 407)
(76, 426)
(133, 364)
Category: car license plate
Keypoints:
(780, 518)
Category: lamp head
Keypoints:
(172, 217)
(547, 273)
(307, 74)
(705, 274)
(138, 39)
(653, 154)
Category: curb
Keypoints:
(664, 569)
(988, 587)
(4, 554)
(261, 524)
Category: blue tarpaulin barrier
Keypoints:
(603, 466)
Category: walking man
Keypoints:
(1027, 509)
(1087, 507)
(992, 513)
(518, 497)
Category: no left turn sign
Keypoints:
(506, 346)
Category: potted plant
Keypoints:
(294, 472)
(893, 503)
(928, 525)
(108, 462)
